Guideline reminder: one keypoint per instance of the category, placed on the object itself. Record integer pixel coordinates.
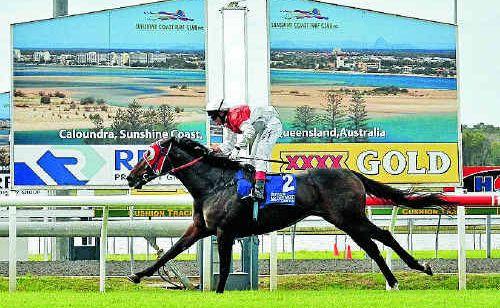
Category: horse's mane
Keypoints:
(197, 149)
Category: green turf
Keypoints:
(325, 298)
(325, 290)
(317, 282)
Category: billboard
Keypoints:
(92, 90)
(373, 92)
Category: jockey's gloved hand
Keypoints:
(235, 153)
(258, 189)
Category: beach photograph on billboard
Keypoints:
(364, 90)
(91, 91)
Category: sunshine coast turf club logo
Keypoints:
(304, 19)
(298, 161)
(303, 14)
(178, 15)
(178, 20)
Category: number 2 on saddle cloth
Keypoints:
(279, 189)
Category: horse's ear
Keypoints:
(202, 149)
(163, 142)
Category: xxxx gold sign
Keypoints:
(298, 160)
(397, 163)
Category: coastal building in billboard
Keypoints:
(81, 58)
(103, 58)
(138, 59)
(92, 58)
(41, 56)
(17, 55)
(156, 58)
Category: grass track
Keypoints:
(324, 298)
(337, 290)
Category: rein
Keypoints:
(181, 167)
(186, 165)
(155, 158)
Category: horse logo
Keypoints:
(179, 15)
(302, 14)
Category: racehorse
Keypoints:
(336, 195)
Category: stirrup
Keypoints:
(255, 211)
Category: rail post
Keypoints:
(462, 280)
(273, 262)
(207, 263)
(392, 226)
(103, 249)
(12, 249)
(488, 236)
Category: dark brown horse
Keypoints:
(336, 195)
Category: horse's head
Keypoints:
(165, 156)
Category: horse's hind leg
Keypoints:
(386, 238)
(359, 234)
(372, 250)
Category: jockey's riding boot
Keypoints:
(258, 190)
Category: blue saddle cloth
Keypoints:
(279, 189)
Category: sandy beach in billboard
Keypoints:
(414, 102)
(31, 115)
(65, 113)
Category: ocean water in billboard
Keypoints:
(135, 76)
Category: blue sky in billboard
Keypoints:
(341, 27)
(120, 29)
(79, 32)
(4, 106)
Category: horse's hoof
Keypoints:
(134, 278)
(427, 269)
(395, 287)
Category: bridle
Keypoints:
(158, 160)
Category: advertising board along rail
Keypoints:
(464, 200)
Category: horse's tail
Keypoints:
(399, 197)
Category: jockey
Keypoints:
(258, 124)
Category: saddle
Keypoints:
(280, 188)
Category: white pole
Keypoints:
(258, 73)
(45, 239)
(392, 225)
(207, 263)
(461, 248)
(103, 250)
(370, 217)
(131, 242)
(273, 262)
(12, 249)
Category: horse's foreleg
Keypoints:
(225, 246)
(193, 233)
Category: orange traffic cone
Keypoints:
(335, 250)
(348, 254)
